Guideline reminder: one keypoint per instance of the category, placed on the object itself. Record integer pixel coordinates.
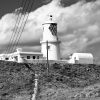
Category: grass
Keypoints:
(64, 81)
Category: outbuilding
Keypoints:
(81, 58)
(20, 56)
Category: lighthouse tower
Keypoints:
(50, 43)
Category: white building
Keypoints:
(50, 40)
(20, 56)
(50, 47)
(49, 43)
(26, 56)
(81, 58)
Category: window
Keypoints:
(6, 58)
(28, 57)
(37, 57)
(75, 58)
(16, 57)
(48, 47)
(33, 57)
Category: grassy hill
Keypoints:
(63, 82)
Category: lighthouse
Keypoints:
(50, 44)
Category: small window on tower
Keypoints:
(48, 47)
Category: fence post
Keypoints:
(35, 88)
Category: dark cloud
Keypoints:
(46, 1)
(66, 3)
(90, 0)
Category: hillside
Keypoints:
(64, 81)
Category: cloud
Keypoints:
(78, 26)
(82, 22)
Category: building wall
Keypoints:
(81, 59)
(31, 56)
(50, 35)
(47, 34)
(85, 61)
(53, 51)
(18, 57)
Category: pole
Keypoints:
(47, 59)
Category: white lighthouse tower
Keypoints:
(50, 43)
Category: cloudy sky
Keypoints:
(78, 25)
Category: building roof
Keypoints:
(16, 53)
(83, 55)
(50, 20)
(34, 53)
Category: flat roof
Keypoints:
(34, 53)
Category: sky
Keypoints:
(78, 25)
(8, 6)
